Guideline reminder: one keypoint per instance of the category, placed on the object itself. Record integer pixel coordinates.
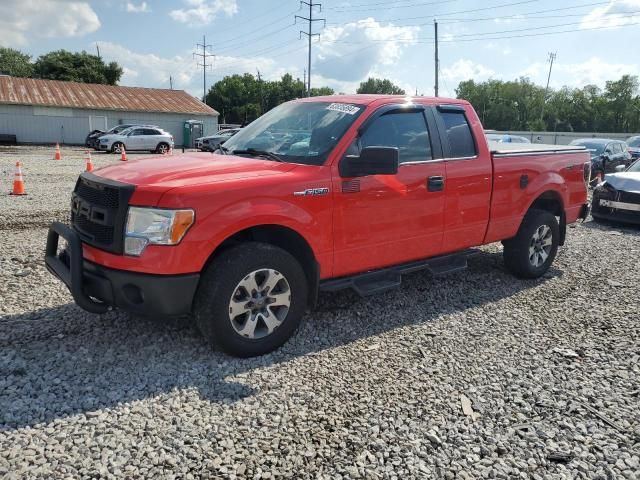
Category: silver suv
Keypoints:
(153, 139)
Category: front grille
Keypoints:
(99, 233)
(629, 197)
(104, 196)
(99, 210)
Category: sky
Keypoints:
(155, 40)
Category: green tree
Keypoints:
(15, 63)
(379, 85)
(522, 105)
(243, 98)
(77, 67)
(320, 91)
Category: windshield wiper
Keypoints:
(258, 153)
(223, 150)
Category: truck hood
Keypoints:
(171, 171)
(625, 181)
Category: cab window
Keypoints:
(406, 131)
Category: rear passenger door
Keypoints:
(151, 138)
(468, 178)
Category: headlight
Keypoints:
(104, 140)
(155, 226)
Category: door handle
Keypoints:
(435, 183)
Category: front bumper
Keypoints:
(97, 289)
(615, 210)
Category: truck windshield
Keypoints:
(297, 132)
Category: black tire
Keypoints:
(517, 257)
(162, 148)
(219, 283)
(117, 147)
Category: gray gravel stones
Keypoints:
(366, 389)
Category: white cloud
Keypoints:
(464, 69)
(150, 70)
(593, 71)
(143, 7)
(617, 13)
(350, 52)
(203, 12)
(508, 20)
(21, 20)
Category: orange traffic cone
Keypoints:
(123, 155)
(18, 182)
(89, 163)
(58, 155)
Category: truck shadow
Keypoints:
(611, 226)
(61, 361)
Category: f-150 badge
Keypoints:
(311, 192)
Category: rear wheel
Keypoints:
(117, 147)
(251, 299)
(162, 148)
(531, 252)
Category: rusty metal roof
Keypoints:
(56, 93)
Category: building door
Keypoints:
(97, 122)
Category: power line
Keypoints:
(504, 5)
(480, 34)
(387, 5)
(528, 14)
(310, 34)
(205, 53)
(247, 37)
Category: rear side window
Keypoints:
(406, 131)
(459, 134)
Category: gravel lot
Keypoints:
(369, 388)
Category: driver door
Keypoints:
(382, 220)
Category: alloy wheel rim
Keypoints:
(260, 303)
(540, 245)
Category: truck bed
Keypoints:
(498, 148)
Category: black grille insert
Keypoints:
(99, 210)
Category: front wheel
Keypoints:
(531, 252)
(117, 147)
(251, 299)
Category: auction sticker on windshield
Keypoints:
(344, 108)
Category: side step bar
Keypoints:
(377, 281)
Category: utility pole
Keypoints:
(98, 49)
(204, 55)
(170, 82)
(309, 34)
(304, 81)
(437, 60)
(552, 57)
(260, 90)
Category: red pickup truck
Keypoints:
(318, 194)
